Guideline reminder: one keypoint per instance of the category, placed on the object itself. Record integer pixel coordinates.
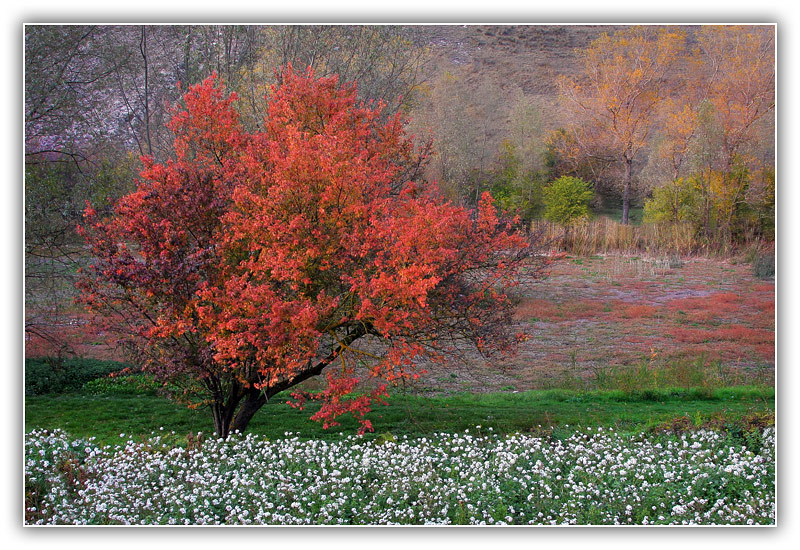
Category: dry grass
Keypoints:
(604, 236)
(613, 314)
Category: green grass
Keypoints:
(106, 417)
(635, 214)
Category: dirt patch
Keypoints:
(612, 312)
(599, 313)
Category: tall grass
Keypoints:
(699, 375)
(603, 235)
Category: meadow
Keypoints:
(270, 232)
(593, 477)
(644, 395)
(613, 321)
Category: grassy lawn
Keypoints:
(106, 417)
(635, 214)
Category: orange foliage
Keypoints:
(252, 261)
(735, 72)
(622, 82)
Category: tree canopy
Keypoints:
(252, 261)
(624, 78)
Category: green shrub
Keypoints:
(765, 203)
(764, 266)
(678, 201)
(567, 200)
(132, 384)
(46, 375)
(516, 191)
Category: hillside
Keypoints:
(497, 68)
(528, 56)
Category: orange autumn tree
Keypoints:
(716, 135)
(734, 72)
(615, 98)
(252, 262)
(734, 77)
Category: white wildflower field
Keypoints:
(593, 477)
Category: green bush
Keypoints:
(675, 202)
(723, 207)
(46, 375)
(516, 191)
(764, 266)
(765, 203)
(567, 200)
(132, 384)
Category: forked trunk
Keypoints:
(226, 418)
(223, 414)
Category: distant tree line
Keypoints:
(690, 119)
(679, 120)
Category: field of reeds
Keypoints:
(602, 235)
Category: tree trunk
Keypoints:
(253, 401)
(224, 405)
(223, 415)
(626, 190)
(226, 418)
(676, 204)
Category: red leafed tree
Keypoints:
(253, 261)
